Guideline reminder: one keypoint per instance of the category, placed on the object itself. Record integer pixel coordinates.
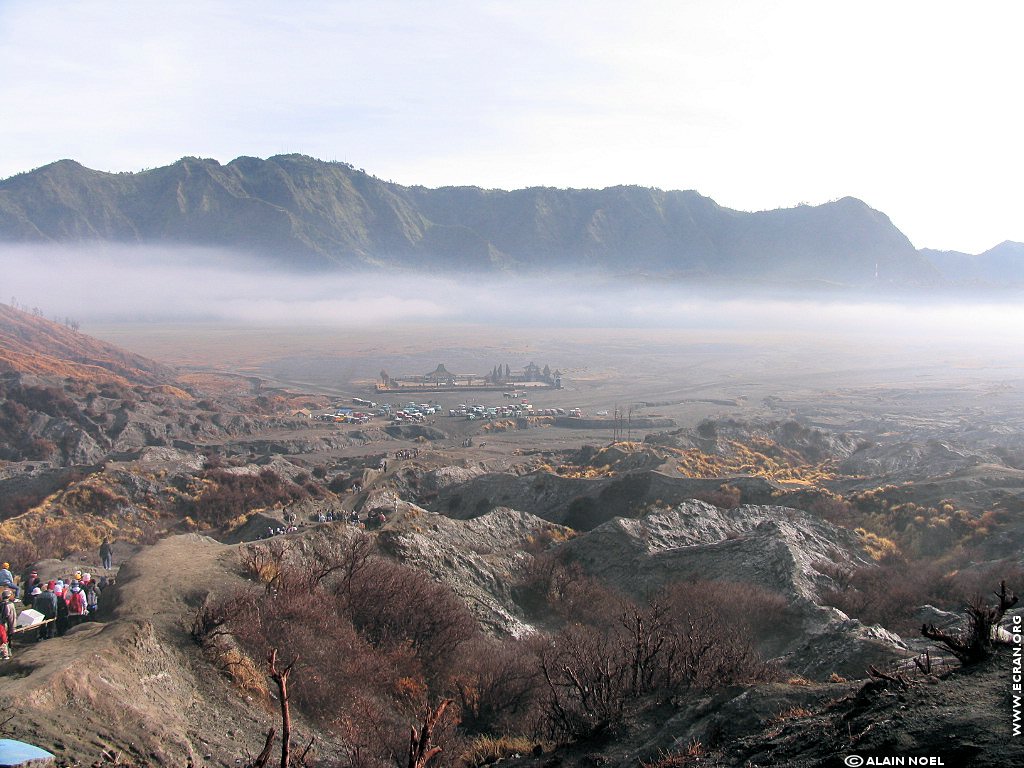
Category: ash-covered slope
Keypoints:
(306, 212)
(480, 559)
(67, 398)
(34, 345)
(781, 550)
(778, 548)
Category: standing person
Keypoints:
(8, 617)
(7, 578)
(92, 596)
(46, 604)
(77, 607)
(29, 581)
(62, 612)
(106, 554)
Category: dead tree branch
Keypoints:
(976, 644)
(898, 679)
(420, 750)
(280, 678)
(264, 757)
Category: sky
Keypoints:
(913, 107)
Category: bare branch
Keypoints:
(420, 750)
(264, 757)
(281, 679)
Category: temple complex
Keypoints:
(500, 377)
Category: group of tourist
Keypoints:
(61, 603)
(373, 520)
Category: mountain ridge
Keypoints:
(307, 213)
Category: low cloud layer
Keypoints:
(103, 285)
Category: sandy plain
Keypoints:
(922, 386)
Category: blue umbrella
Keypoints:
(18, 754)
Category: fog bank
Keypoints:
(129, 285)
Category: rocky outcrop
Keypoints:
(908, 459)
(774, 547)
(481, 559)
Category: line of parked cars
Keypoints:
(418, 412)
(474, 412)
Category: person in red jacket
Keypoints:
(8, 617)
(77, 609)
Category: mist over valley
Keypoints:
(519, 454)
(542, 385)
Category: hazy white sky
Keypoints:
(914, 107)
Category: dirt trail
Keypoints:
(134, 683)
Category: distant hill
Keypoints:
(996, 266)
(306, 213)
(35, 345)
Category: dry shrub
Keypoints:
(752, 610)
(392, 604)
(92, 499)
(969, 583)
(211, 630)
(725, 497)
(496, 685)
(793, 713)
(691, 755)
(262, 562)
(484, 750)
(224, 495)
(546, 537)
(681, 640)
(43, 534)
(558, 591)
(246, 676)
(888, 593)
(879, 547)
(374, 642)
(378, 737)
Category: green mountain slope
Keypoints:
(304, 212)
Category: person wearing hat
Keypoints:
(92, 596)
(77, 608)
(30, 581)
(8, 617)
(7, 579)
(61, 625)
(46, 604)
(30, 599)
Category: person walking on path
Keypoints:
(8, 617)
(106, 554)
(61, 625)
(77, 607)
(46, 604)
(92, 596)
